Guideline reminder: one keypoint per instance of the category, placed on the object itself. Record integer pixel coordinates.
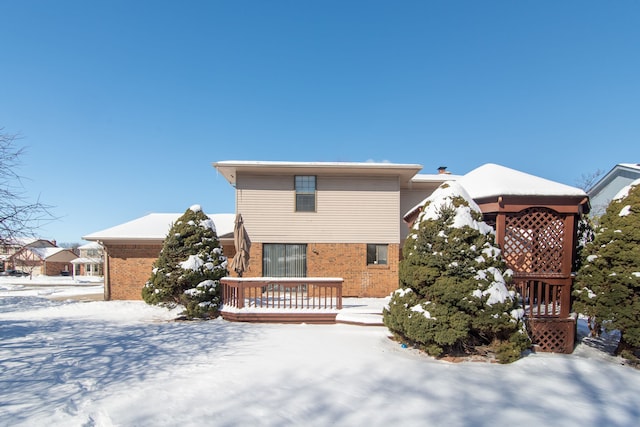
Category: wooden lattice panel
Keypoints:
(534, 241)
(552, 335)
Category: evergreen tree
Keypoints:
(453, 295)
(607, 286)
(189, 268)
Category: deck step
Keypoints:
(361, 319)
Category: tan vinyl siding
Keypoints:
(349, 209)
(408, 200)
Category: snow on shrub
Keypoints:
(189, 268)
(607, 286)
(454, 295)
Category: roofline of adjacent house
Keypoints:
(597, 187)
(229, 168)
(102, 239)
(145, 232)
(141, 240)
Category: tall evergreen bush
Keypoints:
(607, 286)
(453, 296)
(189, 268)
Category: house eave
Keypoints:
(230, 169)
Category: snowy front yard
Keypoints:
(69, 363)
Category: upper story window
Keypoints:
(377, 254)
(305, 193)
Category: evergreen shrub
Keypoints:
(607, 286)
(453, 296)
(189, 268)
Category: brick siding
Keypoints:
(346, 260)
(130, 266)
(56, 268)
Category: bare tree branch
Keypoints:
(587, 180)
(19, 217)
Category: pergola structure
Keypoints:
(535, 221)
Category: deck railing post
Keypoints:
(240, 295)
(565, 300)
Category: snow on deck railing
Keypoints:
(282, 293)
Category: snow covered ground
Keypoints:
(81, 287)
(65, 362)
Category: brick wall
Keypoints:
(346, 260)
(129, 268)
(55, 268)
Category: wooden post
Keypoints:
(240, 295)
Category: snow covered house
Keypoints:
(90, 261)
(328, 219)
(347, 222)
(601, 193)
(131, 248)
(42, 257)
(8, 248)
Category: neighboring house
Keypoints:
(42, 257)
(310, 219)
(91, 260)
(608, 186)
(8, 249)
(131, 248)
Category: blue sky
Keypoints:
(124, 105)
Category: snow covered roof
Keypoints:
(84, 260)
(155, 226)
(90, 245)
(52, 253)
(21, 241)
(44, 253)
(631, 165)
(491, 180)
(435, 177)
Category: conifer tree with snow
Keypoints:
(607, 286)
(189, 268)
(453, 297)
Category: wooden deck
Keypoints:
(281, 299)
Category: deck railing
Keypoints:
(282, 293)
(545, 300)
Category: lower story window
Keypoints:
(377, 254)
(284, 260)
